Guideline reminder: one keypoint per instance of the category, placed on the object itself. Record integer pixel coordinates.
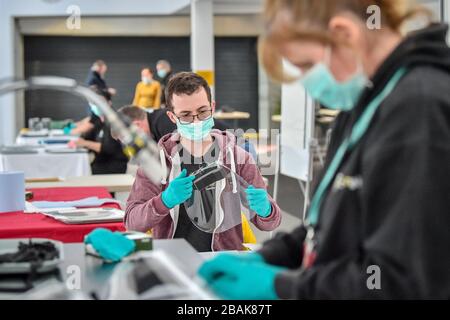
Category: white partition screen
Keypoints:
(297, 129)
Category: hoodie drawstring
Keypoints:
(162, 157)
(233, 169)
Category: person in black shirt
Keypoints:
(96, 80)
(109, 158)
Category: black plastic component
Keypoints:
(145, 277)
(208, 175)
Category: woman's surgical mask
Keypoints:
(320, 84)
(195, 131)
(146, 80)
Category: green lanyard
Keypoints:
(358, 131)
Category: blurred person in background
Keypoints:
(109, 157)
(148, 91)
(96, 79)
(163, 72)
(155, 123)
(96, 137)
(96, 82)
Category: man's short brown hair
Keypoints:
(132, 113)
(185, 83)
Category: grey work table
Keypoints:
(95, 274)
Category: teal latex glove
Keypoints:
(179, 190)
(68, 128)
(110, 245)
(259, 201)
(241, 278)
(250, 257)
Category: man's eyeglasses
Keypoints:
(201, 116)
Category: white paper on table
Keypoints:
(29, 208)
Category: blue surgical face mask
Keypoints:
(196, 131)
(146, 80)
(95, 110)
(162, 73)
(320, 84)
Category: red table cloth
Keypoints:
(36, 225)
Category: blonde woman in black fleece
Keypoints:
(378, 225)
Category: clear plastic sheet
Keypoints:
(212, 213)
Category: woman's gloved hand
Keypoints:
(250, 257)
(259, 201)
(110, 245)
(179, 190)
(241, 278)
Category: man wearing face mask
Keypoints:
(163, 72)
(378, 222)
(148, 91)
(161, 208)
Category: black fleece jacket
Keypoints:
(398, 216)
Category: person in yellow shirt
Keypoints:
(148, 91)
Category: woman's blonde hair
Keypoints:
(309, 19)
